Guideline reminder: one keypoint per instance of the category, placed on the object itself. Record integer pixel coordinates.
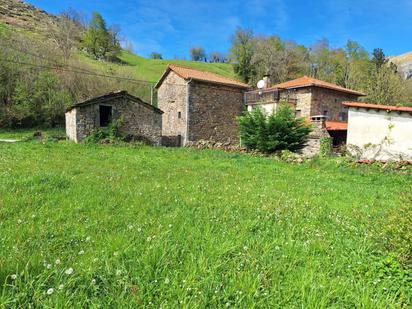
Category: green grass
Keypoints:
(25, 133)
(180, 228)
(151, 70)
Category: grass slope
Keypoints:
(88, 226)
(133, 66)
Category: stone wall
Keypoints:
(330, 101)
(213, 111)
(172, 99)
(139, 120)
(319, 132)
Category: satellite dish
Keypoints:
(261, 84)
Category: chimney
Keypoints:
(266, 79)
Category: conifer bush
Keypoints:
(273, 133)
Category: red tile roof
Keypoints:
(189, 73)
(377, 106)
(336, 126)
(306, 81)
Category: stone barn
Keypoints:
(140, 120)
(199, 105)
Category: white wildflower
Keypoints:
(88, 238)
(57, 262)
(19, 221)
(81, 252)
(93, 281)
(50, 291)
(115, 253)
(61, 286)
(130, 227)
(167, 281)
(118, 272)
(13, 277)
(69, 271)
(49, 266)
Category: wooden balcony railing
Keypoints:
(267, 96)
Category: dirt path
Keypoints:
(2, 140)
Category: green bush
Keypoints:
(111, 134)
(273, 133)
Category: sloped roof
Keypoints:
(378, 106)
(307, 81)
(189, 73)
(336, 125)
(114, 95)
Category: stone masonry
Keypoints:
(199, 106)
(141, 120)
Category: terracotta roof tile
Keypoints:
(306, 81)
(189, 73)
(336, 126)
(377, 106)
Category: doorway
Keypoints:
(105, 115)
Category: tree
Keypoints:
(216, 57)
(384, 84)
(275, 132)
(241, 53)
(378, 58)
(281, 60)
(197, 54)
(100, 42)
(155, 55)
(67, 33)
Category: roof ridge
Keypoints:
(203, 71)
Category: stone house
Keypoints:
(379, 132)
(310, 98)
(199, 105)
(140, 120)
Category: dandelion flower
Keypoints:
(50, 291)
(69, 271)
(13, 277)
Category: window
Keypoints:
(105, 113)
(298, 113)
(325, 113)
(179, 115)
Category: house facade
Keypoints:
(199, 105)
(379, 132)
(310, 98)
(140, 120)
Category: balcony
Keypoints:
(268, 96)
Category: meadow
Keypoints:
(135, 226)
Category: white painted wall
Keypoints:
(71, 125)
(379, 135)
(268, 108)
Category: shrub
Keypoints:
(273, 133)
(111, 134)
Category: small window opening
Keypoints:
(298, 113)
(105, 115)
(179, 115)
(325, 113)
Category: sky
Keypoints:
(172, 27)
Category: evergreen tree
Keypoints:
(99, 41)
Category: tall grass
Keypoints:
(116, 226)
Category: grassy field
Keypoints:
(118, 226)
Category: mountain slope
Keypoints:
(36, 23)
(404, 64)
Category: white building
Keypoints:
(379, 132)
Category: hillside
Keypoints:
(404, 64)
(18, 16)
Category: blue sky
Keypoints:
(172, 27)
